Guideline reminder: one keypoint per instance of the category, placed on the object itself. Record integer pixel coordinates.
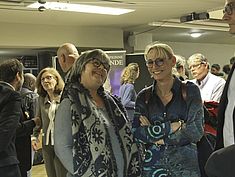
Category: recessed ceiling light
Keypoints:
(81, 8)
(195, 34)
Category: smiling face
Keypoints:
(159, 65)
(229, 15)
(94, 74)
(48, 81)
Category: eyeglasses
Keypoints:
(158, 62)
(48, 78)
(96, 62)
(196, 66)
(228, 9)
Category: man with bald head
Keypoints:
(221, 162)
(27, 123)
(67, 54)
(29, 82)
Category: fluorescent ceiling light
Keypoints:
(81, 8)
(206, 25)
(195, 34)
(216, 14)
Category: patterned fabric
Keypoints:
(178, 156)
(92, 150)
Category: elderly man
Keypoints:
(211, 86)
(221, 162)
(28, 122)
(67, 54)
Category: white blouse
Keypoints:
(50, 129)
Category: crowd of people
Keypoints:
(87, 131)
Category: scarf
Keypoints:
(92, 150)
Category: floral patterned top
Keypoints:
(93, 150)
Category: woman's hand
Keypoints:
(34, 143)
(159, 142)
(175, 126)
(144, 121)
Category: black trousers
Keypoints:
(23, 170)
(205, 147)
(10, 171)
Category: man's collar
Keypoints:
(204, 80)
(8, 84)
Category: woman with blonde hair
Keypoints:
(127, 90)
(49, 86)
(167, 121)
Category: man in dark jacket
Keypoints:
(11, 79)
(27, 123)
(226, 133)
(221, 162)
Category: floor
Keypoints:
(39, 171)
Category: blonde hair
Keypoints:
(130, 73)
(197, 57)
(59, 86)
(163, 50)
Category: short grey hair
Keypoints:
(197, 57)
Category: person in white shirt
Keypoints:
(211, 86)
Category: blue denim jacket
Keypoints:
(178, 156)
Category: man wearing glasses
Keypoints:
(211, 86)
(221, 162)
